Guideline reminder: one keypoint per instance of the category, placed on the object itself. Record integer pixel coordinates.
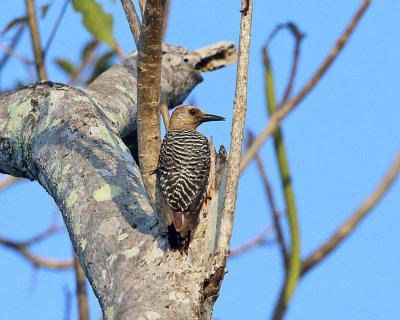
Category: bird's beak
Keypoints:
(210, 117)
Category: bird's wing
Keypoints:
(185, 179)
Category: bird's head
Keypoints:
(190, 117)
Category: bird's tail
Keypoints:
(177, 241)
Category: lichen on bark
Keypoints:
(78, 144)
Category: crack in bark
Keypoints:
(211, 285)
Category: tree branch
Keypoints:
(166, 15)
(37, 49)
(81, 293)
(23, 249)
(239, 115)
(142, 5)
(55, 28)
(12, 45)
(10, 52)
(133, 20)
(271, 201)
(37, 261)
(352, 222)
(257, 241)
(293, 270)
(165, 115)
(149, 91)
(8, 181)
(67, 304)
(284, 110)
(298, 36)
(78, 156)
(43, 235)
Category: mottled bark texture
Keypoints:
(71, 140)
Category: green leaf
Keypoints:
(102, 64)
(96, 21)
(65, 65)
(88, 50)
(14, 23)
(44, 10)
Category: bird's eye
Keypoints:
(193, 111)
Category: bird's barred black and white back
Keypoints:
(184, 166)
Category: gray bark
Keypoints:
(71, 140)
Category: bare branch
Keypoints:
(257, 241)
(43, 235)
(133, 20)
(67, 304)
(214, 57)
(11, 52)
(55, 28)
(22, 248)
(166, 15)
(239, 115)
(271, 201)
(12, 45)
(298, 36)
(165, 115)
(37, 49)
(349, 226)
(38, 261)
(119, 230)
(81, 292)
(142, 5)
(294, 263)
(283, 111)
(8, 181)
(149, 91)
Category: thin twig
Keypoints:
(81, 292)
(271, 201)
(43, 235)
(67, 308)
(352, 222)
(239, 115)
(12, 45)
(298, 36)
(22, 248)
(257, 241)
(133, 20)
(283, 111)
(11, 52)
(34, 259)
(34, 279)
(149, 91)
(37, 49)
(166, 15)
(165, 115)
(8, 181)
(55, 28)
(142, 5)
(293, 270)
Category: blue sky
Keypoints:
(340, 140)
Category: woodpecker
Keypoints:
(183, 168)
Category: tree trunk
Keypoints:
(75, 141)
